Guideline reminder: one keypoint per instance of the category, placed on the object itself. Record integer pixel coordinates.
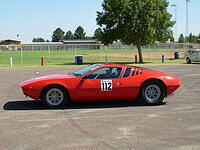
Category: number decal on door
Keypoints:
(106, 85)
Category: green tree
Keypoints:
(186, 39)
(69, 35)
(198, 38)
(181, 38)
(38, 40)
(79, 33)
(172, 39)
(98, 34)
(195, 38)
(58, 35)
(138, 22)
(192, 38)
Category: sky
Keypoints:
(39, 18)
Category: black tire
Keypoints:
(55, 96)
(188, 61)
(157, 87)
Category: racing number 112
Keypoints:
(106, 85)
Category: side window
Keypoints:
(116, 72)
(97, 73)
(194, 53)
(105, 73)
(127, 72)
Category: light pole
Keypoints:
(187, 21)
(21, 52)
(175, 30)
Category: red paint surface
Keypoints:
(90, 89)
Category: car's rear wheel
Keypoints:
(152, 92)
(188, 61)
(55, 96)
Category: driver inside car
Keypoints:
(108, 74)
(118, 72)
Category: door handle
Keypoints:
(119, 84)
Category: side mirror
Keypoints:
(83, 78)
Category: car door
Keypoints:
(103, 84)
(198, 56)
(193, 56)
(123, 86)
(90, 87)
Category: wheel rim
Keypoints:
(188, 60)
(152, 93)
(54, 96)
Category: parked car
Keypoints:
(192, 56)
(102, 82)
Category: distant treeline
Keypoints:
(191, 38)
(79, 33)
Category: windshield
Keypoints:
(85, 70)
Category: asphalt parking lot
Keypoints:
(27, 125)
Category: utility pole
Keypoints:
(175, 16)
(187, 21)
(21, 52)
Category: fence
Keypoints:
(61, 54)
(86, 46)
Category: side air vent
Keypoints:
(137, 71)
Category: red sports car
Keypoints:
(102, 82)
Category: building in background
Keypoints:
(43, 46)
(82, 44)
(10, 42)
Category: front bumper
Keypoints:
(31, 92)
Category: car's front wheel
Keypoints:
(188, 61)
(152, 92)
(55, 96)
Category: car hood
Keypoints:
(46, 77)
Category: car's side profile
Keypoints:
(102, 82)
(192, 56)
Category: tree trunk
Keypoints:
(140, 53)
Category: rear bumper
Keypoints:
(171, 89)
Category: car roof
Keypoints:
(121, 65)
(114, 65)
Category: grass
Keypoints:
(62, 58)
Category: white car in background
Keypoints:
(192, 56)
